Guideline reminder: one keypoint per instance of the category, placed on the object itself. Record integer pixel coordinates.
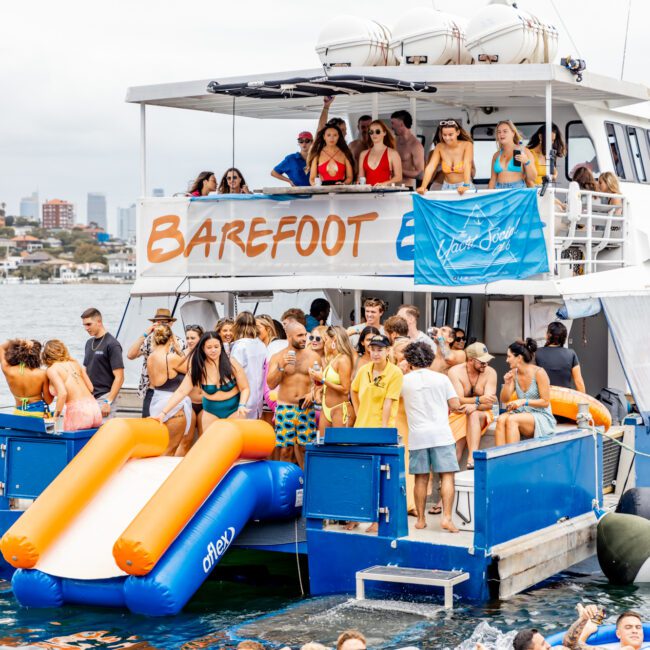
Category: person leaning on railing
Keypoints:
(330, 161)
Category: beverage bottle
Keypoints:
(316, 368)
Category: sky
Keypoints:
(65, 67)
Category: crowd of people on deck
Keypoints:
(392, 155)
(302, 375)
(629, 631)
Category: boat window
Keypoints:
(485, 146)
(639, 155)
(440, 307)
(619, 151)
(580, 149)
(462, 309)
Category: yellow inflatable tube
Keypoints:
(158, 524)
(564, 402)
(105, 453)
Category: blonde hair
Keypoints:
(517, 135)
(611, 182)
(245, 326)
(161, 334)
(341, 342)
(347, 635)
(267, 323)
(55, 351)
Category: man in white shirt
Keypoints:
(411, 314)
(427, 397)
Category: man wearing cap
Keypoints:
(293, 169)
(476, 385)
(143, 347)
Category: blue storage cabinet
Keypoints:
(30, 459)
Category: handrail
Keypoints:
(591, 228)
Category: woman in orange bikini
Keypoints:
(329, 158)
(381, 164)
(454, 152)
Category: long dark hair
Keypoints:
(197, 185)
(525, 349)
(556, 333)
(585, 179)
(23, 351)
(463, 135)
(539, 138)
(198, 362)
(369, 329)
(319, 145)
(224, 188)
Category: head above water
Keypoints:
(351, 640)
(529, 639)
(629, 629)
(24, 351)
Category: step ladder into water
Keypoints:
(430, 577)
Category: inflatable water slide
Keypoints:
(123, 526)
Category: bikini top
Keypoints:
(498, 169)
(331, 375)
(211, 389)
(379, 174)
(339, 175)
(454, 167)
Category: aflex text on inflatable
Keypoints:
(106, 452)
(151, 533)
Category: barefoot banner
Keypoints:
(487, 237)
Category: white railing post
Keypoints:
(588, 267)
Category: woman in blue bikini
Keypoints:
(512, 165)
(223, 383)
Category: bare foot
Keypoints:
(351, 525)
(421, 523)
(373, 528)
(447, 524)
(412, 512)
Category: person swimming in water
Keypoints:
(20, 360)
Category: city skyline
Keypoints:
(85, 138)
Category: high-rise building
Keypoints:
(126, 223)
(96, 210)
(58, 214)
(158, 191)
(29, 207)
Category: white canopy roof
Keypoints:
(457, 86)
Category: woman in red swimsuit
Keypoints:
(381, 164)
(329, 158)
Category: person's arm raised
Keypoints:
(135, 350)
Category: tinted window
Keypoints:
(620, 152)
(636, 141)
(580, 149)
(440, 307)
(462, 310)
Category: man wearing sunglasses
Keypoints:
(476, 385)
(293, 169)
(446, 356)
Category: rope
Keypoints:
(627, 31)
(566, 31)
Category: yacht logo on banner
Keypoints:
(492, 236)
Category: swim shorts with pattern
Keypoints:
(294, 425)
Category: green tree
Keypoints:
(7, 232)
(87, 252)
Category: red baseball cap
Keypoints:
(305, 134)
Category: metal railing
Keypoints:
(588, 232)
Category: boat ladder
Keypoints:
(434, 578)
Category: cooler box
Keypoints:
(462, 514)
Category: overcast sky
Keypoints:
(65, 67)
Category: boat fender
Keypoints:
(635, 501)
(623, 547)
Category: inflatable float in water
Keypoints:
(623, 539)
(604, 637)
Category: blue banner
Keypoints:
(492, 236)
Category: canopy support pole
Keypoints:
(143, 150)
(375, 106)
(357, 306)
(414, 114)
(549, 127)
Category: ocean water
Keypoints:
(52, 311)
(272, 610)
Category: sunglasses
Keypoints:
(318, 339)
(375, 131)
(448, 123)
(461, 338)
(304, 140)
(232, 178)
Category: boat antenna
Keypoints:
(566, 30)
(627, 31)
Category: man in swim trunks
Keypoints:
(629, 629)
(476, 385)
(410, 149)
(295, 417)
(445, 358)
